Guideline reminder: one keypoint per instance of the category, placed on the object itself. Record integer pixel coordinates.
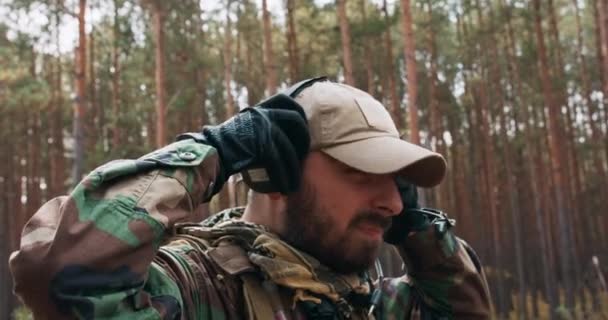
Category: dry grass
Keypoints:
(564, 314)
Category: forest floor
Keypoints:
(563, 314)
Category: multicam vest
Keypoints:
(277, 281)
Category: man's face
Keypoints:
(340, 214)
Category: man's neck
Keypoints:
(262, 209)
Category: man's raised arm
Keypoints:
(89, 254)
(444, 277)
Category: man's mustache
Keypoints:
(372, 217)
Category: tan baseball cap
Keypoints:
(351, 126)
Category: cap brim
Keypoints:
(381, 155)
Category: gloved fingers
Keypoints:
(282, 101)
(408, 192)
(294, 127)
(283, 165)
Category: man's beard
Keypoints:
(310, 229)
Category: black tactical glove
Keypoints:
(413, 218)
(272, 136)
(410, 219)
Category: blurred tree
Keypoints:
(80, 100)
(269, 61)
(346, 42)
(409, 52)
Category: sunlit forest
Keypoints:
(514, 94)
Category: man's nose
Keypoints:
(388, 198)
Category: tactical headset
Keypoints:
(257, 178)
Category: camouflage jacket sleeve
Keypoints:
(89, 254)
(444, 280)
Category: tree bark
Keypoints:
(6, 289)
(57, 166)
(509, 189)
(601, 14)
(292, 43)
(590, 212)
(570, 156)
(367, 52)
(603, 28)
(346, 47)
(33, 191)
(436, 125)
(488, 166)
(93, 130)
(81, 99)
(409, 52)
(483, 115)
(269, 63)
(555, 139)
(158, 15)
(591, 107)
(390, 70)
(230, 108)
(116, 126)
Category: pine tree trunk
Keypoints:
(80, 101)
(34, 199)
(116, 125)
(472, 182)
(390, 71)
(201, 80)
(346, 48)
(549, 224)
(591, 107)
(5, 208)
(601, 10)
(158, 15)
(409, 52)
(570, 156)
(436, 125)
(225, 194)
(93, 129)
(555, 150)
(599, 33)
(57, 166)
(367, 52)
(510, 183)
(488, 163)
(483, 115)
(292, 43)
(230, 108)
(514, 209)
(269, 64)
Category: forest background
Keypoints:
(514, 93)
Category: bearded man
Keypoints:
(331, 181)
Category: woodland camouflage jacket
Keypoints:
(114, 249)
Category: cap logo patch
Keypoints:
(374, 113)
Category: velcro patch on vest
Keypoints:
(231, 258)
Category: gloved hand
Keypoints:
(413, 218)
(272, 136)
(409, 219)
